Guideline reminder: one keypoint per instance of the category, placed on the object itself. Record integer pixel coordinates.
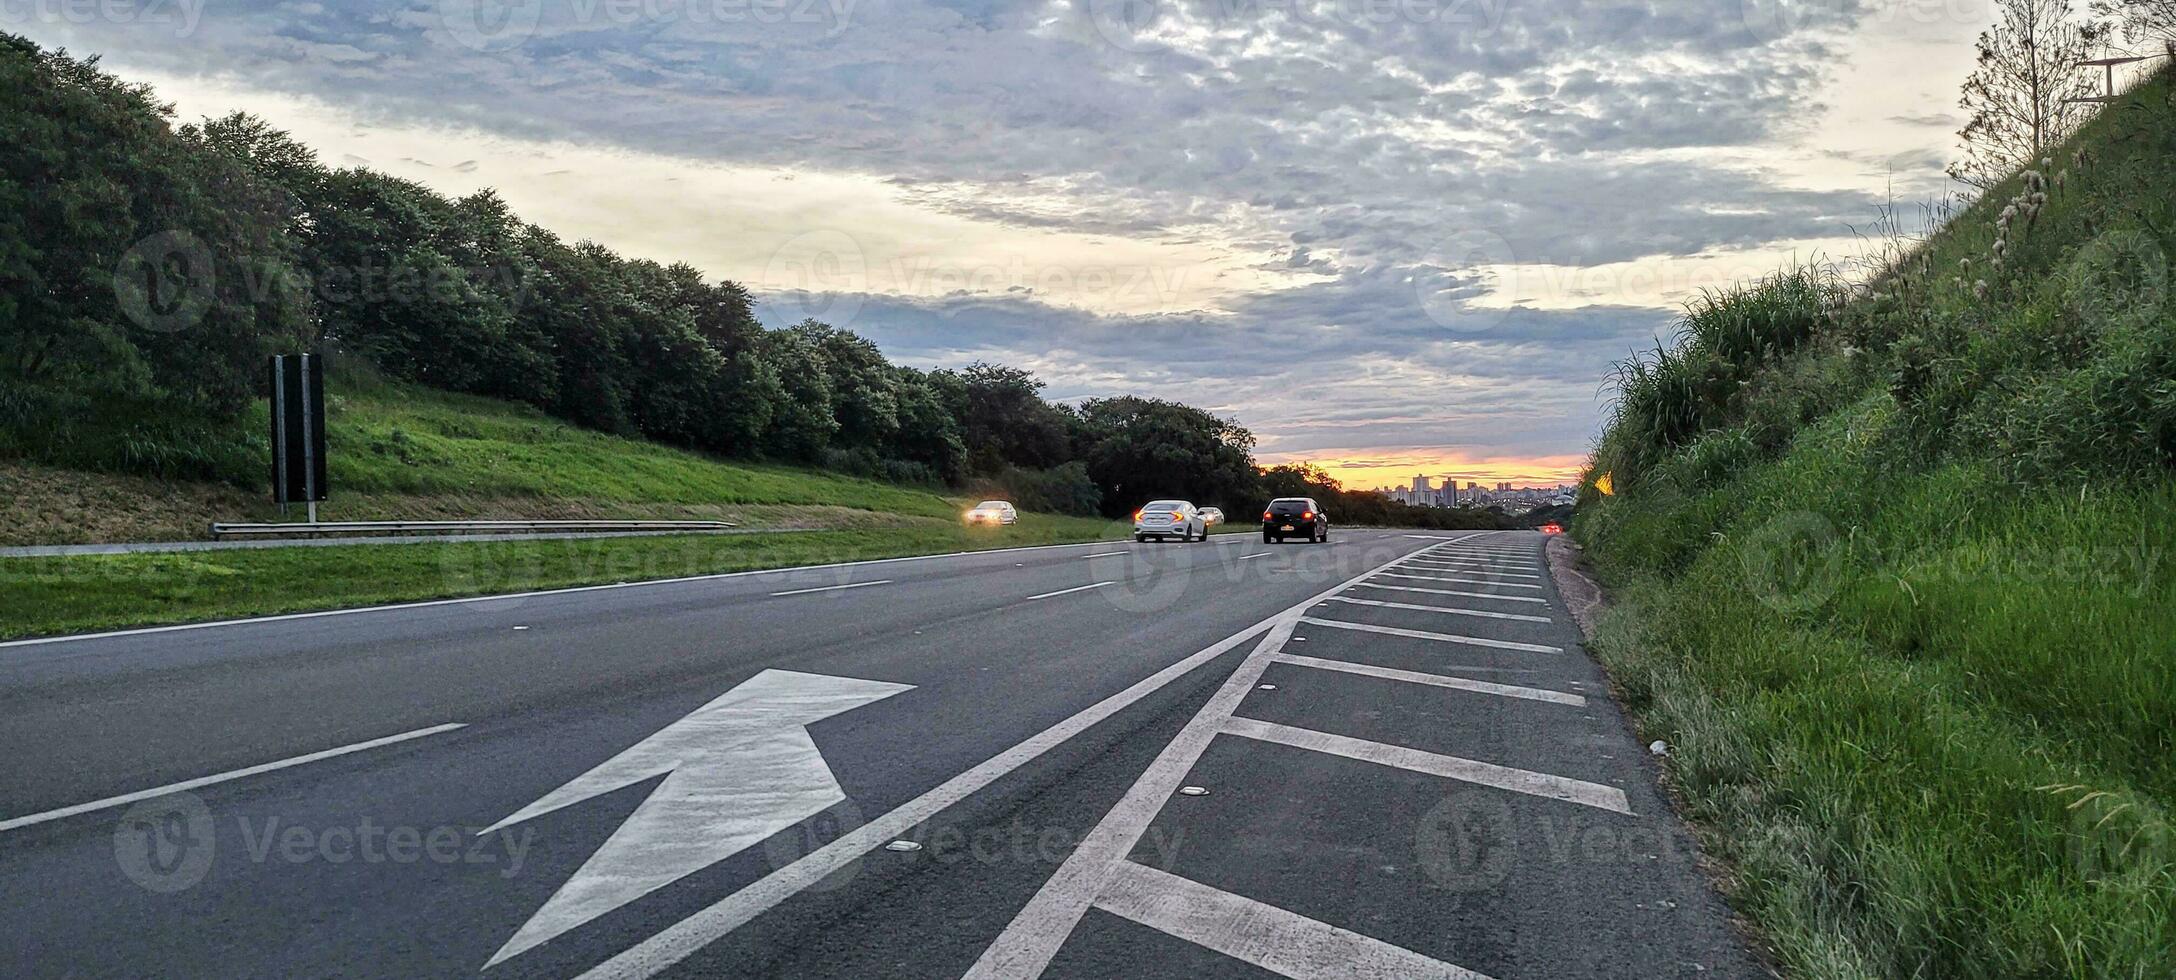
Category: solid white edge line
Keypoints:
(401, 606)
(1447, 766)
(1274, 939)
(711, 923)
(202, 781)
(1478, 641)
(1077, 588)
(1434, 680)
(833, 588)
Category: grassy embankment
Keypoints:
(400, 451)
(1893, 579)
(404, 452)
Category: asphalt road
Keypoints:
(1382, 757)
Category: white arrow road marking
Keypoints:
(737, 770)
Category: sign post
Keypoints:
(298, 431)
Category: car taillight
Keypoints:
(1137, 515)
(1307, 515)
(1268, 516)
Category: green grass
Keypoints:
(1930, 724)
(48, 596)
(1899, 592)
(385, 437)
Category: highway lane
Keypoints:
(992, 648)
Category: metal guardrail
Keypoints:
(220, 530)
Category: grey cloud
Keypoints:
(1320, 137)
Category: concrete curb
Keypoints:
(1582, 595)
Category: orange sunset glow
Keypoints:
(1366, 469)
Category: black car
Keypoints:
(1292, 517)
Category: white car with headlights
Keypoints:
(993, 512)
(1161, 519)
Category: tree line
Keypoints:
(147, 270)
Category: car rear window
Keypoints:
(1163, 505)
(1289, 506)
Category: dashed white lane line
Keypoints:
(1269, 937)
(1451, 610)
(1448, 766)
(1469, 595)
(1103, 554)
(1471, 641)
(202, 781)
(681, 939)
(1434, 680)
(1258, 554)
(1077, 588)
(1461, 580)
(833, 588)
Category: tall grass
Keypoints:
(1896, 579)
(1669, 397)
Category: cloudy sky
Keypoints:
(1390, 236)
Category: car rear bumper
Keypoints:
(1289, 528)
